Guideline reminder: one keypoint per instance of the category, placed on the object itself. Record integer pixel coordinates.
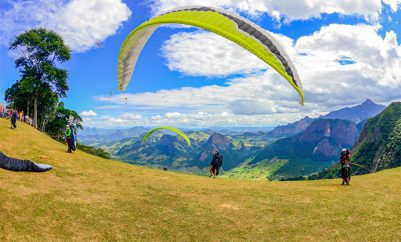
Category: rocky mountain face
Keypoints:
(290, 129)
(215, 142)
(357, 113)
(379, 145)
(311, 150)
(297, 149)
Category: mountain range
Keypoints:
(357, 113)
(298, 149)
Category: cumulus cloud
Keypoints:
(265, 96)
(394, 4)
(89, 113)
(207, 54)
(219, 58)
(289, 10)
(83, 24)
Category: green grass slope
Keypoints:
(89, 198)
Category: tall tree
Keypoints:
(39, 52)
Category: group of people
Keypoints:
(14, 116)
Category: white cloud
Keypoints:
(83, 24)
(191, 120)
(131, 116)
(207, 54)
(266, 97)
(89, 113)
(222, 58)
(289, 9)
(394, 4)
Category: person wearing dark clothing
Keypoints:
(216, 164)
(69, 139)
(345, 166)
(13, 120)
(14, 164)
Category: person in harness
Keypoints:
(216, 164)
(69, 136)
(13, 119)
(345, 163)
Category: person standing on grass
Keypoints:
(69, 138)
(13, 119)
(345, 166)
(215, 164)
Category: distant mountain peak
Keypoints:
(368, 101)
(357, 113)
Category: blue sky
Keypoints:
(345, 51)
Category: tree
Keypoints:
(21, 98)
(40, 51)
(62, 117)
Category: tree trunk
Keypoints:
(43, 125)
(27, 110)
(35, 112)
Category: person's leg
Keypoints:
(215, 172)
(210, 171)
(343, 176)
(69, 146)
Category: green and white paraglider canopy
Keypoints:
(177, 131)
(231, 26)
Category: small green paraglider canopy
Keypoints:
(177, 131)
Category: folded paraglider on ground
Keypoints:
(14, 164)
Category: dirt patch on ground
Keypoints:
(229, 206)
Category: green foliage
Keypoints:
(62, 117)
(42, 82)
(93, 151)
(261, 171)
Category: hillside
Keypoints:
(379, 144)
(89, 198)
(166, 150)
(310, 151)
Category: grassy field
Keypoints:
(89, 198)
